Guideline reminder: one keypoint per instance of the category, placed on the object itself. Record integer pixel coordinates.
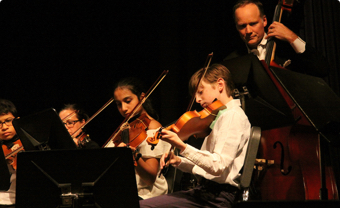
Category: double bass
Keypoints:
(291, 157)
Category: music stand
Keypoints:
(315, 99)
(264, 104)
(76, 178)
(43, 131)
(4, 173)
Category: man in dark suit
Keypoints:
(292, 52)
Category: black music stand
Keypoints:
(76, 178)
(315, 99)
(264, 104)
(43, 131)
(4, 173)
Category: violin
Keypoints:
(81, 139)
(185, 118)
(137, 128)
(11, 153)
(192, 123)
(115, 138)
(137, 131)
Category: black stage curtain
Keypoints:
(322, 29)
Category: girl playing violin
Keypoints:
(9, 142)
(73, 118)
(221, 157)
(127, 94)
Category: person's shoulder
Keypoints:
(234, 107)
(154, 124)
(240, 50)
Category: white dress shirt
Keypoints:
(298, 45)
(8, 197)
(160, 186)
(222, 154)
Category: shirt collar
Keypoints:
(262, 44)
(230, 104)
(233, 103)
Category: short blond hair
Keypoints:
(214, 72)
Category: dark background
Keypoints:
(58, 52)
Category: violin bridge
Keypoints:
(125, 126)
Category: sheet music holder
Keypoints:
(264, 104)
(4, 173)
(42, 131)
(76, 178)
(312, 95)
(315, 99)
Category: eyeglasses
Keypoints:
(8, 122)
(70, 124)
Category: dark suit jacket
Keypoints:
(309, 62)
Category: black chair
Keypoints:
(249, 161)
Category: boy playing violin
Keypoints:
(8, 140)
(221, 157)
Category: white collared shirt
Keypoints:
(160, 185)
(8, 197)
(298, 45)
(222, 154)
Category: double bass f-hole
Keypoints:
(282, 159)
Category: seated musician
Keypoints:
(8, 140)
(74, 118)
(221, 157)
(292, 52)
(127, 94)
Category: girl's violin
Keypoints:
(137, 132)
(134, 134)
(116, 136)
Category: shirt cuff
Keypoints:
(299, 45)
(188, 152)
(185, 165)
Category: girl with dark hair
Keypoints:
(127, 94)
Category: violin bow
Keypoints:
(136, 108)
(172, 149)
(206, 66)
(94, 115)
(69, 115)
